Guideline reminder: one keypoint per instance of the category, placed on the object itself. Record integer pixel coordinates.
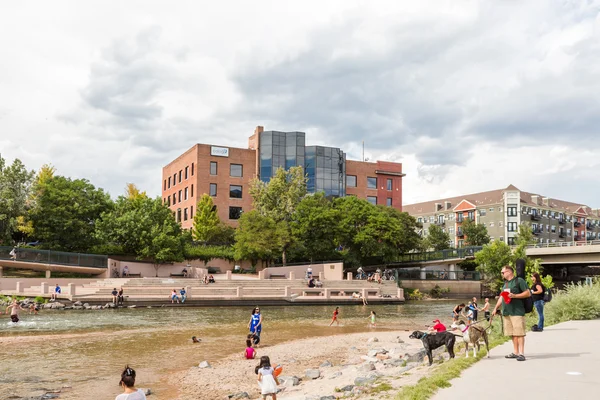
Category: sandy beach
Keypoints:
(348, 355)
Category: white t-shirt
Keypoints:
(139, 395)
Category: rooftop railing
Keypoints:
(54, 257)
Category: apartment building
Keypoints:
(225, 174)
(502, 211)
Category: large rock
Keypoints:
(368, 367)
(312, 373)
(346, 388)
(330, 397)
(336, 375)
(204, 364)
(394, 362)
(372, 340)
(364, 380)
(288, 381)
(77, 303)
(417, 357)
(239, 395)
(326, 364)
(374, 352)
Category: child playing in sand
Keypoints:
(335, 316)
(266, 380)
(249, 353)
(372, 317)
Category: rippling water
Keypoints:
(88, 349)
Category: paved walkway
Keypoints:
(563, 362)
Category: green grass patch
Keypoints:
(382, 387)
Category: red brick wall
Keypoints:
(179, 164)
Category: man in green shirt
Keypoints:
(514, 312)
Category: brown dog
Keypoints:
(471, 335)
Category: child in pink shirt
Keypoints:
(249, 353)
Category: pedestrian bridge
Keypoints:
(53, 261)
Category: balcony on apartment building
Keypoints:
(578, 238)
(576, 224)
(562, 220)
(535, 216)
(440, 223)
(562, 234)
(459, 233)
(588, 225)
(536, 230)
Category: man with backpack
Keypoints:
(515, 290)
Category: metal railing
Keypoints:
(54, 257)
(417, 274)
(564, 244)
(463, 252)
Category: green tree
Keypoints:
(65, 213)
(259, 237)
(143, 227)
(15, 187)
(206, 220)
(314, 227)
(278, 200)
(437, 239)
(490, 261)
(475, 234)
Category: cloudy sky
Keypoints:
(468, 95)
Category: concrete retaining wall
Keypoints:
(458, 289)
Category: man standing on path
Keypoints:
(513, 311)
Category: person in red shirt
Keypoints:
(438, 326)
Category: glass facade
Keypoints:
(325, 167)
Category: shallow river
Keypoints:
(87, 350)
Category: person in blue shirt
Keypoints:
(55, 293)
(183, 294)
(255, 325)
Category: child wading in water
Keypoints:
(335, 316)
(266, 380)
(372, 318)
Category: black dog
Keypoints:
(432, 341)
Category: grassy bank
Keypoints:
(575, 302)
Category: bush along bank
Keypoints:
(575, 302)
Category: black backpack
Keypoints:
(520, 272)
(547, 295)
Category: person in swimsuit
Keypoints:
(336, 312)
(486, 309)
(372, 317)
(15, 307)
(456, 311)
(255, 325)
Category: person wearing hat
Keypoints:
(438, 326)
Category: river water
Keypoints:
(87, 350)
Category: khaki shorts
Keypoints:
(514, 325)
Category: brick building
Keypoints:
(225, 173)
(501, 211)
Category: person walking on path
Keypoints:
(537, 291)
(513, 311)
(128, 385)
(13, 254)
(336, 313)
(255, 325)
(15, 307)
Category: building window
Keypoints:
(186, 172)
(192, 169)
(372, 200)
(174, 179)
(180, 173)
(213, 189)
(192, 191)
(482, 212)
(500, 209)
(185, 194)
(169, 182)
(179, 197)
(351, 180)
(174, 198)
(371, 182)
(502, 238)
(431, 219)
(235, 191)
(553, 228)
(471, 215)
(511, 226)
(499, 224)
(179, 215)
(491, 224)
(213, 167)
(511, 241)
(235, 212)
(420, 220)
(491, 209)
(192, 212)
(389, 184)
(511, 211)
(236, 170)
(165, 185)
(451, 230)
(388, 202)
(185, 214)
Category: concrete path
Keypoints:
(563, 362)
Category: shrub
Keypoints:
(414, 294)
(39, 300)
(438, 292)
(575, 302)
